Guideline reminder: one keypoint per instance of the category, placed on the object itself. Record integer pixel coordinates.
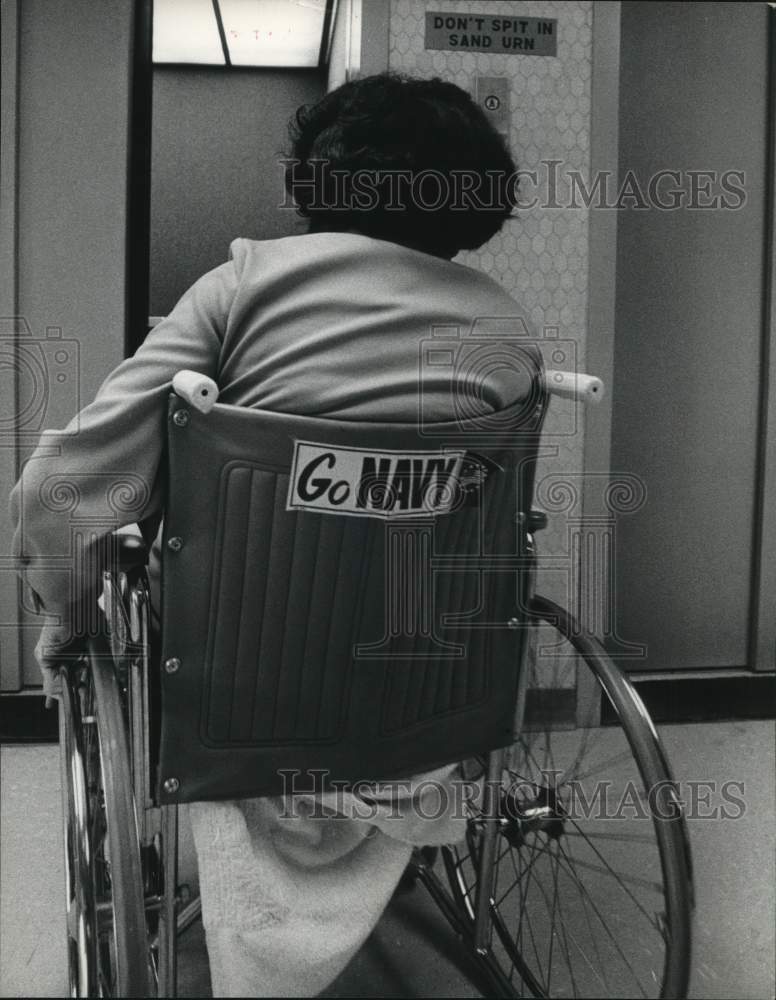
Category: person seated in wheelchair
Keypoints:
(395, 176)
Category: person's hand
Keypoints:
(55, 645)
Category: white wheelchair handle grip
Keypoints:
(574, 385)
(201, 392)
(198, 390)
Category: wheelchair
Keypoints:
(286, 540)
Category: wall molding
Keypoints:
(10, 660)
(762, 640)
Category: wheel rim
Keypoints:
(80, 908)
(125, 965)
(583, 897)
(105, 946)
(106, 927)
(93, 963)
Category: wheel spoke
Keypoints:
(510, 850)
(620, 877)
(571, 892)
(636, 838)
(604, 765)
(599, 961)
(564, 930)
(565, 933)
(524, 913)
(610, 935)
(552, 926)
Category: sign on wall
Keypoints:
(518, 36)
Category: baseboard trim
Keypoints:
(25, 719)
(705, 698)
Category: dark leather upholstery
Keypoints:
(370, 648)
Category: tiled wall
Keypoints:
(540, 257)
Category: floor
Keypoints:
(412, 953)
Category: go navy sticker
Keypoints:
(368, 483)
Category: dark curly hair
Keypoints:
(410, 161)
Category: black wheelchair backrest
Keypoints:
(338, 597)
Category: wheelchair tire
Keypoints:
(80, 906)
(592, 889)
(110, 956)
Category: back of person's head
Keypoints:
(410, 161)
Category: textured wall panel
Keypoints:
(540, 257)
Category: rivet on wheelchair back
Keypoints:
(175, 544)
(171, 785)
(180, 418)
(173, 665)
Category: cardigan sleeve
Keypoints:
(105, 469)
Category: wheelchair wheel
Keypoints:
(80, 907)
(592, 885)
(106, 925)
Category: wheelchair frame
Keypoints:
(124, 905)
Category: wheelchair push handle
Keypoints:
(201, 392)
(574, 385)
(198, 390)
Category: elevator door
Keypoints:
(690, 323)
